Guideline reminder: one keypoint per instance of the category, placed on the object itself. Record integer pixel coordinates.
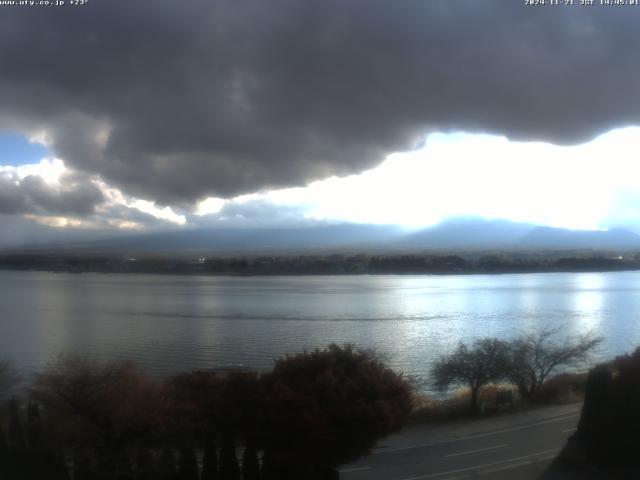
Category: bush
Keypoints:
(562, 388)
(314, 411)
(610, 419)
(328, 407)
(107, 406)
(429, 409)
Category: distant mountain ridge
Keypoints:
(502, 234)
(451, 235)
(557, 238)
(471, 233)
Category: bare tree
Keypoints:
(484, 362)
(534, 357)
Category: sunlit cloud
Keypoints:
(59, 222)
(462, 174)
(209, 206)
(165, 213)
(48, 169)
(51, 194)
(588, 186)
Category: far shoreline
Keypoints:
(502, 263)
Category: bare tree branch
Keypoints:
(534, 357)
(474, 367)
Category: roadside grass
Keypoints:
(564, 388)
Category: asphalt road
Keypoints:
(513, 446)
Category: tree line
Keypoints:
(308, 264)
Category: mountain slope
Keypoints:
(558, 238)
(470, 233)
(457, 234)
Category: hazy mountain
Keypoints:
(558, 238)
(473, 233)
(470, 233)
(456, 234)
(312, 237)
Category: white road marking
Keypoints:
(545, 458)
(354, 469)
(478, 435)
(506, 467)
(485, 465)
(469, 452)
(569, 430)
(511, 466)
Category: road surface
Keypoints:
(513, 446)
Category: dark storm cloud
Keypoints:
(225, 97)
(75, 195)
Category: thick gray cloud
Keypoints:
(75, 195)
(225, 97)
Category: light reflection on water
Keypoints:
(173, 323)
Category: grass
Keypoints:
(558, 390)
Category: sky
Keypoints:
(121, 117)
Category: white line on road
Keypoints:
(354, 469)
(511, 466)
(544, 458)
(520, 427)
(478, 435)
(485, 465)
(469, 452)
(569, 430)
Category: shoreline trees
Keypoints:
(533, 357)
(482, 363)
(526, 361)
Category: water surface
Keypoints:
(173, 323)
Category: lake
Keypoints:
(180, 323)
